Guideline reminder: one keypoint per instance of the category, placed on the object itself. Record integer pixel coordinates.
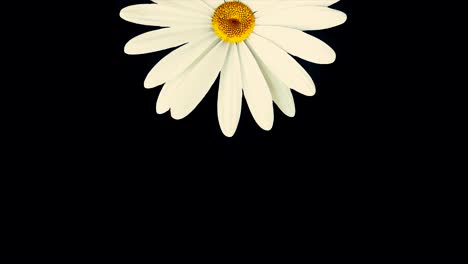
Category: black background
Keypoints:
(337, 165)
(344, 124)
(339, 159)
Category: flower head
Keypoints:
(247, 42)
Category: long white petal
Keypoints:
(162, 15)
(281, 64)
(261, 7)
(176, 62)
(298, 43)
(166, 95)
(303, 18)
(162, 39)
(280, 93)
(297, 3)
(189, 93)
(213, 3)
(230, 93)
(191, 5)
(256, 5)
(310, 2)
(256, 91)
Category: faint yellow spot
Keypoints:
(233, 22)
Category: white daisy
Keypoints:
(248, 41)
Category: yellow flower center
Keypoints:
(233, 22)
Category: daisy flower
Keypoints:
(247, 42)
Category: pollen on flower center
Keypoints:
(233, 21)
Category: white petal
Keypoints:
(165, 96)
(192, 5)
(262, 7)
(256, 5)
(176, 62)
(163, 15)
(198, 6)
(230, 93)
(303, 18)
(280, 93)
(256, 91)
(281, 64)
(162, 39)
(294, 3)
(166, 2)
(298, 43)
(280, 5)
(214, 3)
(198, 81)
